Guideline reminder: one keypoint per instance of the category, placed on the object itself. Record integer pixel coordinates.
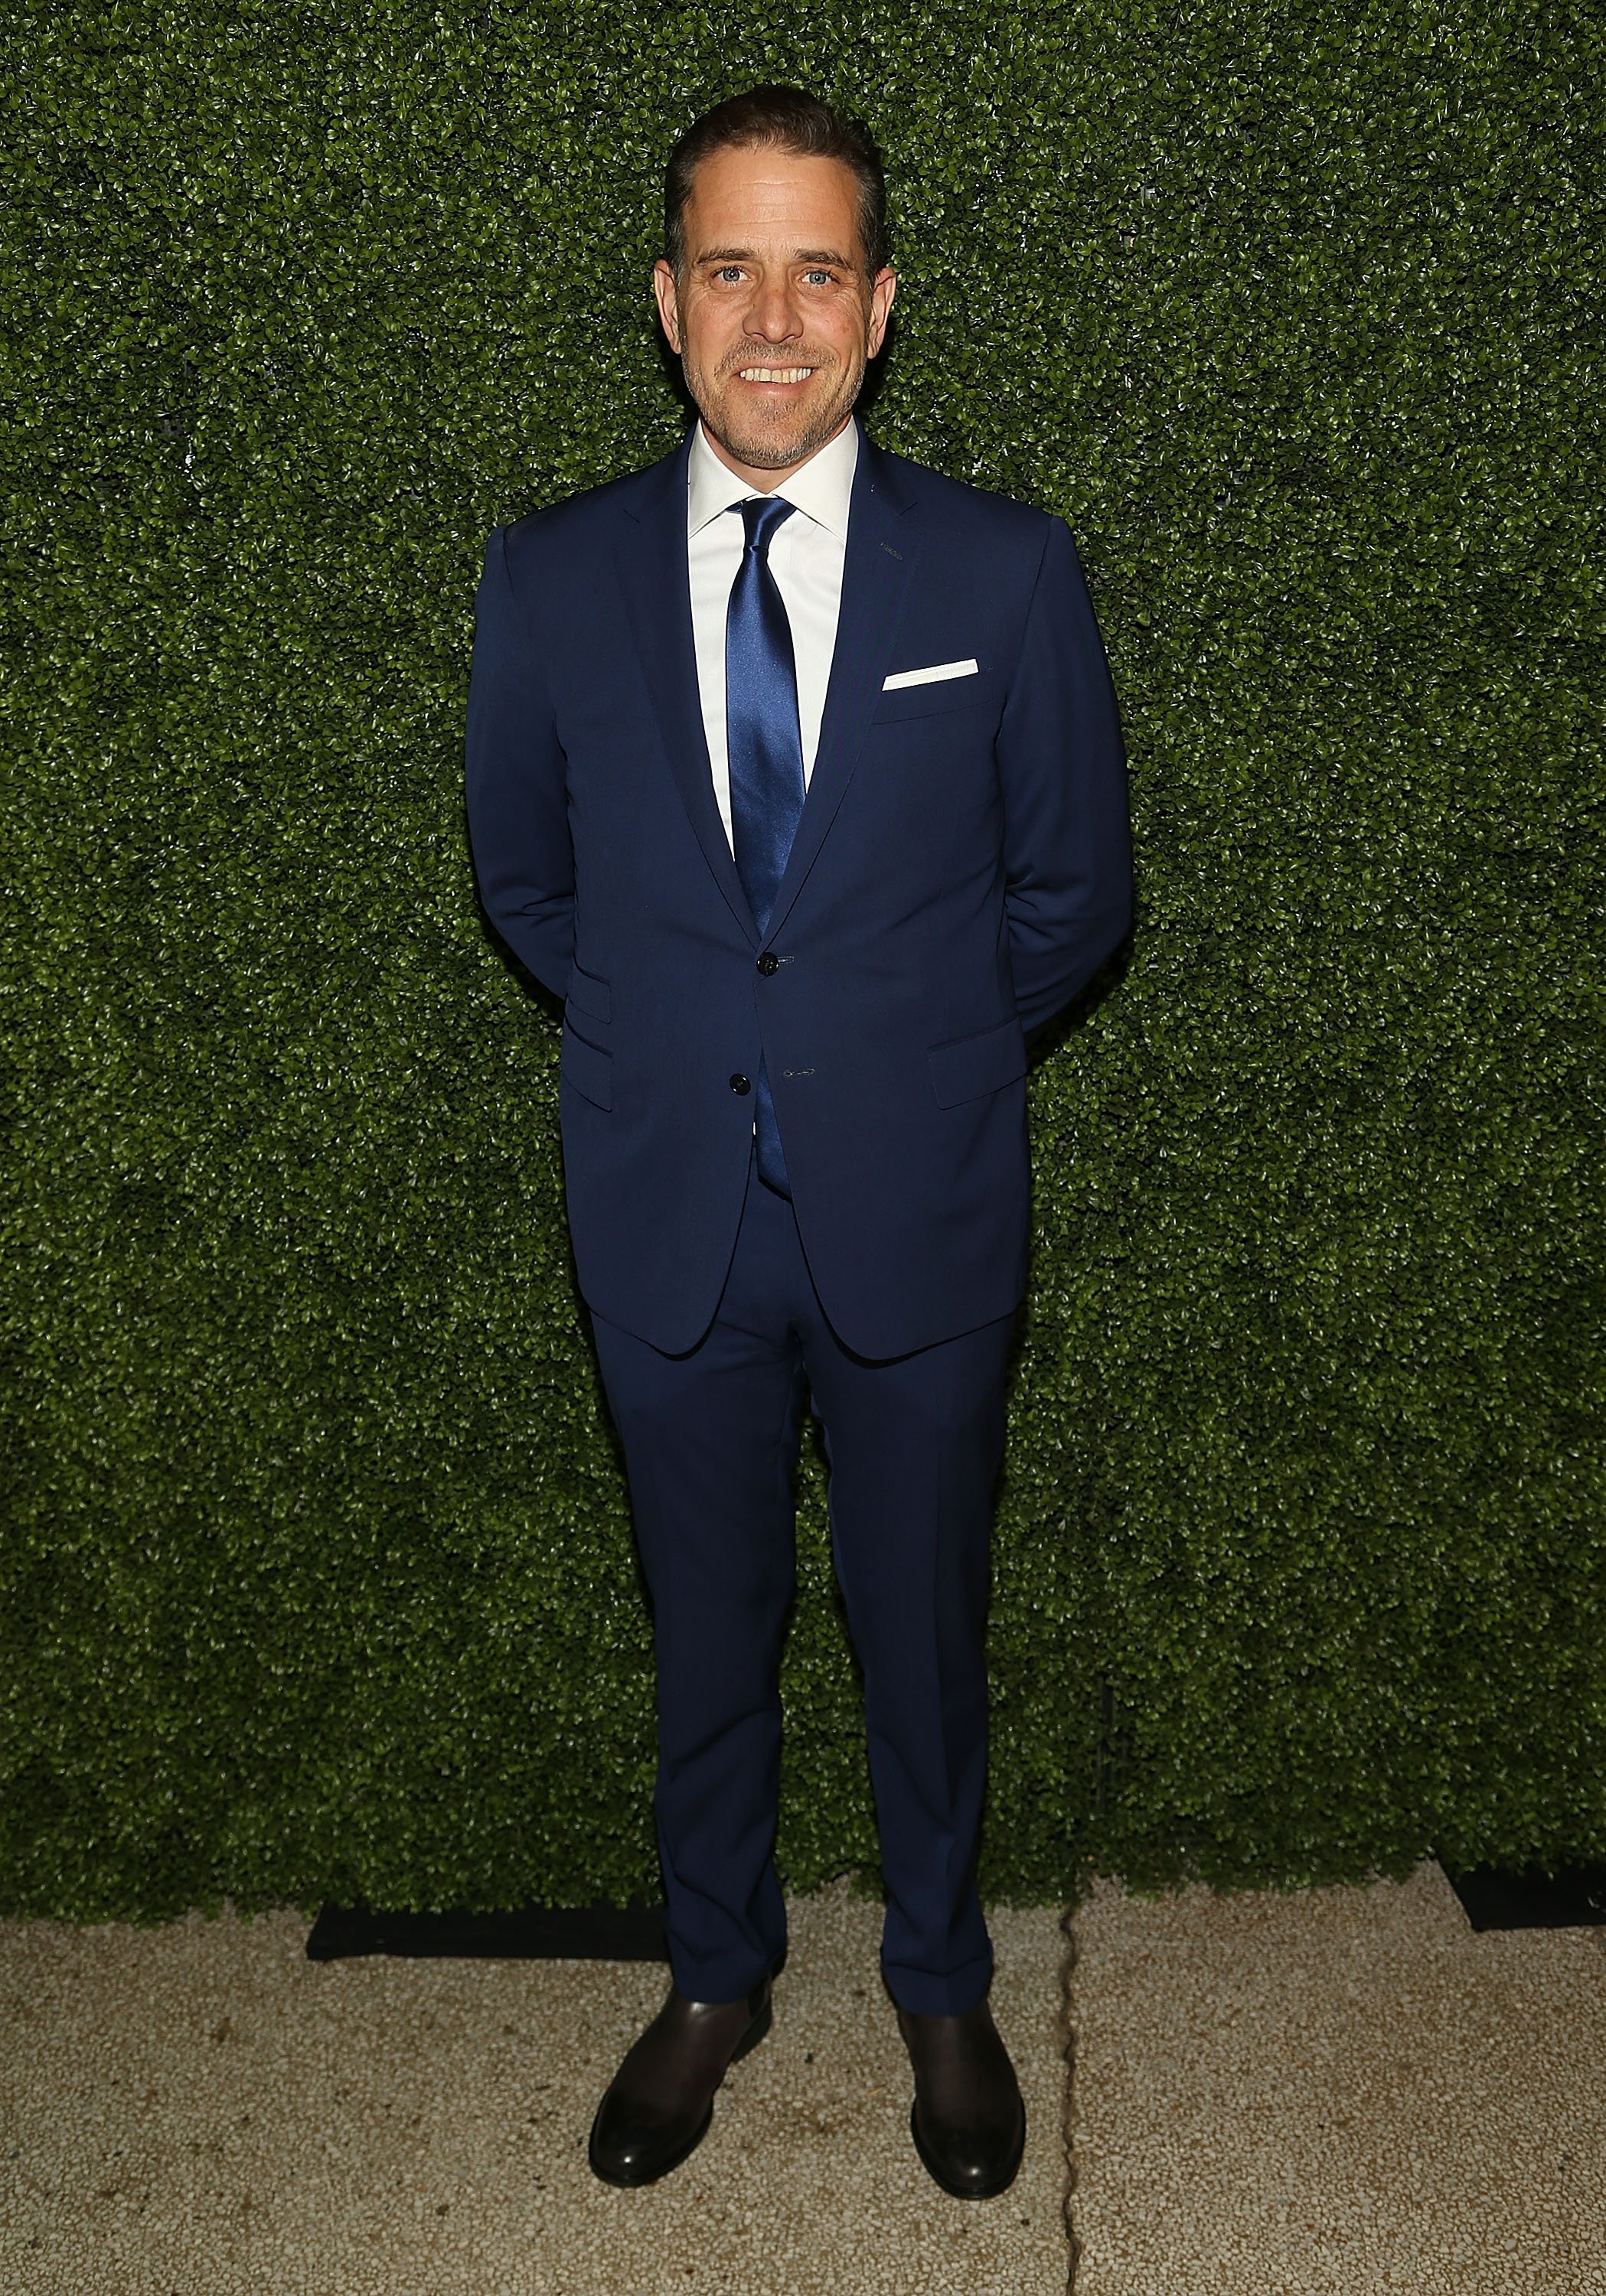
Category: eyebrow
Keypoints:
(819, 255)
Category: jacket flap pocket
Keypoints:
(588, 1069)
(588, 994)
(976, 1065)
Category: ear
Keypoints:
(884, 286)
(668, 306)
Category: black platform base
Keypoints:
(1572, 1897)
(528, 1933)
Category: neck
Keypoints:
(765, 481)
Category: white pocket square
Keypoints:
(939, 670)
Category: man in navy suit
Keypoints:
(793, 769)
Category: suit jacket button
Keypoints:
(769, 962)
(739, 1084)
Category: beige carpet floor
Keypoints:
(1342, 2091)
(198, 2111)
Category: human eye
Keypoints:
(818, 277)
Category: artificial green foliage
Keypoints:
(317, 1574)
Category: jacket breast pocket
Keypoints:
(974, 1066)
(588, 1068)
(944, 697)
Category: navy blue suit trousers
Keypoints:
(914, 1447)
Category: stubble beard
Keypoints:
(786, 435)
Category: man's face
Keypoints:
(773, 315)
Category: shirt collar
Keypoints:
(822, 490)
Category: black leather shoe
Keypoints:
(658, 2106)
(967, 2120)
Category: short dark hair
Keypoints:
(788, 120)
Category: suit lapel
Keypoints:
(653, 569)
(880, 550)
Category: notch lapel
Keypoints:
(652, 561)
(880, 549)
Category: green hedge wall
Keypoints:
(318, 1575)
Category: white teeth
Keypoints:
(776, 374)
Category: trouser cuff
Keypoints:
(926, 1996)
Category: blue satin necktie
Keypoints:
(764, 747)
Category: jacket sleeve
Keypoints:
(1068, 849)
(518, 817)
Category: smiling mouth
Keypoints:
(775, 373)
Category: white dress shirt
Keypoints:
(806, 558)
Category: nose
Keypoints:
(773, 314)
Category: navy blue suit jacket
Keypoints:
(960, 870)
